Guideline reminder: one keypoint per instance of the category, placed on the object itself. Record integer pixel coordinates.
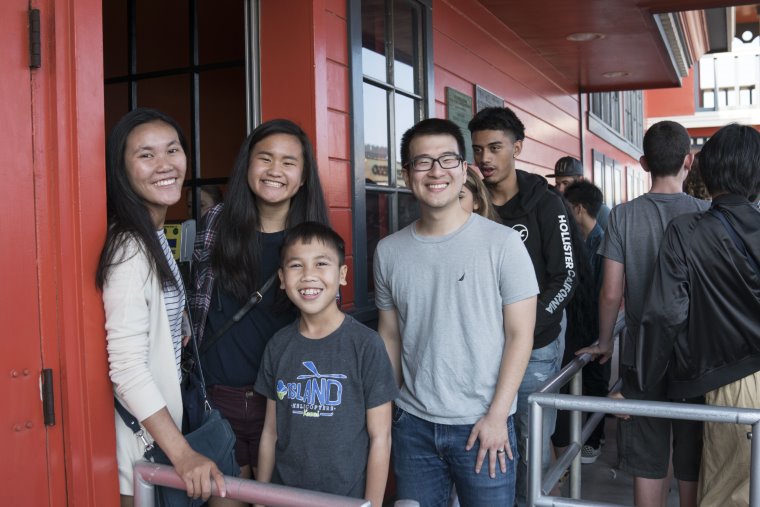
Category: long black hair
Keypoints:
(128, 216)
(236, 255)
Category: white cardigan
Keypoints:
(140, 351)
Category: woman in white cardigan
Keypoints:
(144, 297)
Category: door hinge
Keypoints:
(35, 46)
(48, 400)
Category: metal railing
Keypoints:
(570, 457)
(548, 396)
(658, 409)
(147, 475)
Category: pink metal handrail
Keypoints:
(147, 475)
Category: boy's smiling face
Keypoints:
(311, 275)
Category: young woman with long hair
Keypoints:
(274, 185)
(143, 296)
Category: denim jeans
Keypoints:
(544, 363)
(429, 458)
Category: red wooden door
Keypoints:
(24, 440)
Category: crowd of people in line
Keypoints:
(501, 280)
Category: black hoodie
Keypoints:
(541, 219)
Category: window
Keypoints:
(633, 110)
(392, 89)
(618, 118)
(608, 177)
(606, 107)
(201, 69)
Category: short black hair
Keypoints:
(730, 161)
(498, 118)
(306, 232)
(430, 127)
(666, 144)
(586, 194)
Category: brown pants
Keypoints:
(724, 475)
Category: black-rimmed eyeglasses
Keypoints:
(423, 163)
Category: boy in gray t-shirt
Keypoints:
(457, 301)
(630, 247)
(328, 381)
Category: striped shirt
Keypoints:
(174, 300)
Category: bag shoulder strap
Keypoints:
(126, 416)
(720, 215)
(255, 299)
(134, 425)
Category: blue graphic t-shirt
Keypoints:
(323, 389)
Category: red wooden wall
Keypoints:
(304, 74)
(471, 47)
(672, 101)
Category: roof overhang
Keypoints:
(624, 44)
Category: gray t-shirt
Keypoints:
(323, 389)
(449, 293)
(633, 238)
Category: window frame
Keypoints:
(620, 119)
(608, 177)
(364, 307)
(250, 64)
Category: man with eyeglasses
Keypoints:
(526, 204)
(457, 301)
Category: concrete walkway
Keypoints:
(602, 481)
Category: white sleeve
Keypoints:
(126, 301)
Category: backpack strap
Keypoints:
(721, 215)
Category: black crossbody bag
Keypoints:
(194, 394)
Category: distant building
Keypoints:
(723, 87)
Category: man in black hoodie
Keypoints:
(525, 203)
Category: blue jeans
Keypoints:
(429, 458)
(544, 363)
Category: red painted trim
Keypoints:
(69, 161)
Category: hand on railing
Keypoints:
(617, 395)
(601, 351)
(197, 471)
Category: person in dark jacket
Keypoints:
(701, 322)
(525, 203)
(569, 170)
